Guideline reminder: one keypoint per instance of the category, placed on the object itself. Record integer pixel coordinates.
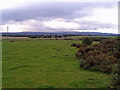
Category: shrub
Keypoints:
(80, 45)
(87, 41)
(98, 62)
(73, 44)
(99, 57)
(11, 41)
(78, 55)
(115, 82)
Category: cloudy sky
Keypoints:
(57, 16)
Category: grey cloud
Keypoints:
(51, 10)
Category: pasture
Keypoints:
(46, 64)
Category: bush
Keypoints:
(73, 44)
(98, 61)
(100, 57)
(87, 41)
(11, 41)
(80, 45)
(115, 83)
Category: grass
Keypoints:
(46, 64)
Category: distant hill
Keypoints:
(62, 33)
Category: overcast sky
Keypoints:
(60, 16)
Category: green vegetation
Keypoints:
(115, 82)
(99, 57)
(87, 41)
(46, 64)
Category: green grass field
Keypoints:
(46, 64)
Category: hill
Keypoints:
(63, 33)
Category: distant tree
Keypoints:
(89, 35)
(87, 41)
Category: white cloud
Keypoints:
(103, 30)
(104, 19)
(54, 25)
(102, 15)
(15, 26)
(61, 24)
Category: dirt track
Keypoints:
(14, 38)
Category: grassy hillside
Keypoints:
(46, 64)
